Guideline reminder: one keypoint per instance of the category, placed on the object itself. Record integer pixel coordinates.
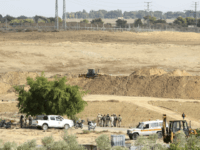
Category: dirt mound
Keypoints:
(178, 72)
(7, 80)
(148, 72)
(185, 87)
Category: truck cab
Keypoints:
(146, 128)
(54, 121)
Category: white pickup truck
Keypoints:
(54, 121)
(146, 128)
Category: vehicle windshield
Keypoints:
(140, 125)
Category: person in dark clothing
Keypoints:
(21, 121)
(183, 115)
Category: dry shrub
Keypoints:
(172, 101)
(28, 30)
(116, 101)
(55, 31)
(93, 101)
(86, 132)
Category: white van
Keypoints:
(146, 128)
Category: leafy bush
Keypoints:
(149, 143)
(28, 145)
(193, 142)
(180, 139)
(180, 21)
(47, 141)
(160, 21)
(60, 145)
(84, 21)
(71, 141)
(103, 142)
(121, 23)
(86, 131)
(138, 22)
(119, 148)
(9, 146)
(97, 21)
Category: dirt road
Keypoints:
(143, 102)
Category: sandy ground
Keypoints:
(113, 53)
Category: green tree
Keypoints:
(121, 23)
(97, 21)
(84, 21)
(138, 22)
(180, 21)
(160, 21)
(151, 19)
(190, 20)
(50, 97)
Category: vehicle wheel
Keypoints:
(159, 135)
(66, 126)
(45, 127)
(134, 136)
(130, 137)
(76, 126)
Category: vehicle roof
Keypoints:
(177, 120)
(152, 121)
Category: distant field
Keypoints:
(112, 21)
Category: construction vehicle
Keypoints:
(90, 74)
(175, 126)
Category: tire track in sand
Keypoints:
(143, 102)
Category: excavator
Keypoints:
(91, 74)
(175, 126)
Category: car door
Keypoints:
(52, 122)
(59, 122)
(146, 130)
(154, 128)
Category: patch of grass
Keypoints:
(86, 132)
(104, 131)
(115, 101)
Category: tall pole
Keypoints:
(196, 12)
(148, 11)
(56, 15)
(64, 14)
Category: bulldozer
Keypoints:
(91, 74)
(175, 126)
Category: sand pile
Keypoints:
(7, 80)
(148, 72)
(185, 87)
(178, 72)
(151, 82)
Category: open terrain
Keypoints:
(146, 74)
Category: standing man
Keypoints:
(183, 115)
(112, 120)
(119, 121)
(98, 119)
(21, 121)
(30, 120)
(104, 120)
(107, 120)
(115, 120)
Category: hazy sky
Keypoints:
(46, 8)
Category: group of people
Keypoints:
(109, 121)
(24, 121)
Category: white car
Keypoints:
(54, 121)
(146, 128)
